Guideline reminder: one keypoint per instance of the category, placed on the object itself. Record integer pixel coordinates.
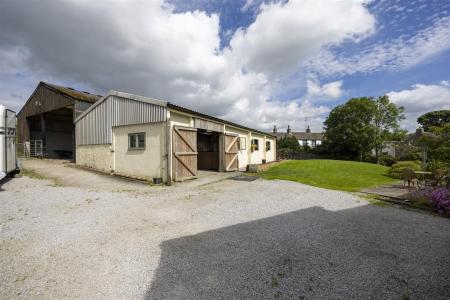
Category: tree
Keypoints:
(385, 121)
(431, 120)
(288, 142)
(349, 130)
(354, 129)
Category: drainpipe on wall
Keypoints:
(168, 150)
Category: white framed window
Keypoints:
(255, 145)
(268, 145)
(136, 141)
(242, 143)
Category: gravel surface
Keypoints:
(228, 240)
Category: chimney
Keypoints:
(308, 130)
(274, 129)
(288, 130)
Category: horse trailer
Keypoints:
(8, 155)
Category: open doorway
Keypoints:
(208, 150)
(52, 134)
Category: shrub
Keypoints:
(435, 164)
(396, 169)
(440, 199)
(387, 160)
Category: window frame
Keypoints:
(268, 145)
(242, 143)
(136, 135)
(257, 144)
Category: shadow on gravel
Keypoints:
(364, 253)
(3, 181)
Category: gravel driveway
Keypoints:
(224, 240)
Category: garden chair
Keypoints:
(409, 177)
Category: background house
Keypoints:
(312, 139)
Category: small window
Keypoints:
(268, 146)
(255, 145)
(136, 141)
(313, 143)
(305, 142)
(242, 143)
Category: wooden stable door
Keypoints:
(184, 153)
(231, 161)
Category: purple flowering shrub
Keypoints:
(439, 198)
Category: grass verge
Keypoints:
(36, 175)
(331, 174)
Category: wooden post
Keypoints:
(43, 133)
(74, 139)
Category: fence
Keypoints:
(33, 148)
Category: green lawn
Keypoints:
(331, 174)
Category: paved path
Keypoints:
(224, 240)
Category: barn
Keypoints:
(45, 124)
(147, 138)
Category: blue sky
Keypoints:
(395, 19)
(255, 62)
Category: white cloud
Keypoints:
(285, 34)
(331, 90)
(146, 48)
(396, 54)
(420, 99)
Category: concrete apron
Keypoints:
(206, 177)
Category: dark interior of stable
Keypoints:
(56, 131)
(208, 150)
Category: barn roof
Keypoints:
(66, 92)
(72, 93)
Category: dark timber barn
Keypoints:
(45, 123)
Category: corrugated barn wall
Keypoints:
(95, 127)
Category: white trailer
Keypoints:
(8, 155)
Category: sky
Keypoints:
(258, 63)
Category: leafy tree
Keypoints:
(288, 142)
(385, 121)
(434, 145)
(397, 135)
(434, 119)
(353, 129)
(441, 151)
(349, 130)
